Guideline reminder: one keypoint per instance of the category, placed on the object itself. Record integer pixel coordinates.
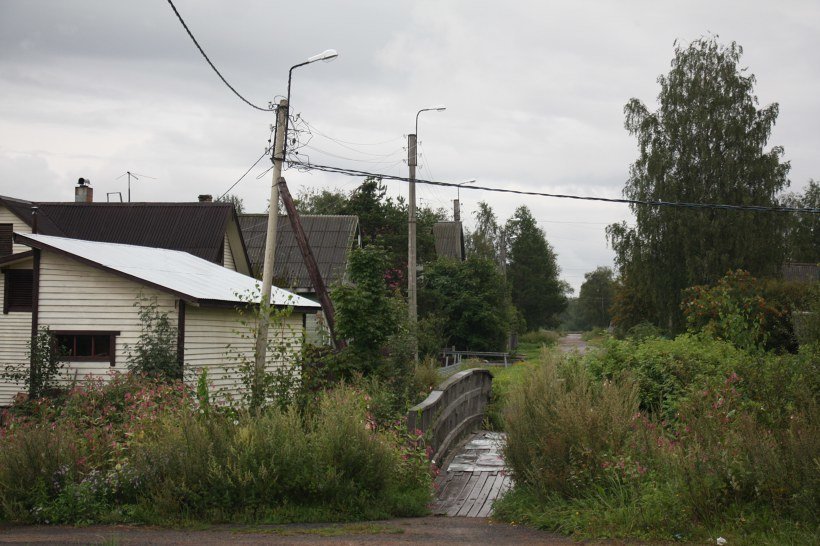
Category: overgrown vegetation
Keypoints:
(155, 353)
(668, 439)
(138, 449)
(41, 371)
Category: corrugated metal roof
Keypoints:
(449, 240)
(196, 228)
(330, 239)
(172, 270)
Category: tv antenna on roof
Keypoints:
(135, 176)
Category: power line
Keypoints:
(218, 73)
(755, 208)
(255, 163)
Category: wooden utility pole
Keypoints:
(270, 243)
(310, 262)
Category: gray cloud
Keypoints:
(535, 94)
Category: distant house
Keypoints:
(449, 240)
(331, 239)
(85, 291)
(207, 230)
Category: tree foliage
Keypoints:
(803, 230)
(471, 300)
(705, 143)
(485, 242)
(595, 298)
(533, 272)
(382, 219)
(237, 202)
(367, 312)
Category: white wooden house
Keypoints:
(85, 291)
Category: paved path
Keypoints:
(475, 477)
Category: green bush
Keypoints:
(41, 371)
(563, 426)
(155, 353)
(139, 449)
(664, 369)
(725, 440)
(256, 465)
(540, 337)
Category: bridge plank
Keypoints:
(450, 487)
(462, 496)
(474, 494)
(483, 496)
(493, 494)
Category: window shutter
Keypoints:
(19, 290)
(6, 247)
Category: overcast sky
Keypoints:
(534, 94)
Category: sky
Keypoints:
(534, 93)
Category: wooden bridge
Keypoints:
(473, 474)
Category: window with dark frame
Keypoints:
(18, 290)
(86, 346)
(6, 242)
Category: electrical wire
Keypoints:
(255, 163)
(218, 73)
(338, 140)
(678, 204)
(315, 149)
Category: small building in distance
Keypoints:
(449, 240)
(331, 238)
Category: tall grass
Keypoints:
(734, 452)
(172, 460)
(562, 426)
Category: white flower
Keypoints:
(720, 541)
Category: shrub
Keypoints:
(66, 459)
(258, 464)
(155, 354)
(664, 369)
(42, 368)
(540, 337)
(562, 426)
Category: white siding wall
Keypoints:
(7, 217)
(209, 331)
(74, 296)
(228, 260)
(15, 331)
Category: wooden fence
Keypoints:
(453, 410)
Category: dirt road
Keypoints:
(572, 342)
(428, 530)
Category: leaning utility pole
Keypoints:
(411, 232)
(270, 242)
(310, 263)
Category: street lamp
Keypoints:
(411, 222)
(278, 157)
(457, 207)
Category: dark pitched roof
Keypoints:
(330, 238)
(449, 240)
(196, 228)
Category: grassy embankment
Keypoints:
(674, 440)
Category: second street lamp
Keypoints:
(278, 158)
(411, 220)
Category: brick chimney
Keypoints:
(206, 198)
(83, 193)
